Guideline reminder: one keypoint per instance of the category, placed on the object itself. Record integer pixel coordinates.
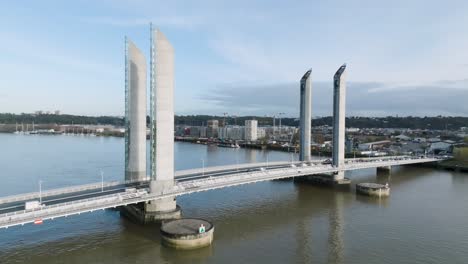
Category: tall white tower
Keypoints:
(251, 130)
(162, 121)
(339, 105)
(305, 116)
(135, 112)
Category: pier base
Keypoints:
(387, 169)
(326, 180)
(151, 212)
(186, 234)
(373, 189)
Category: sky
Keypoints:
(240, 57)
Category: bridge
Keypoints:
(76, 200)
(152, 195)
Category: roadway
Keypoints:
(64, 204)
(101, 189)
(64, 195)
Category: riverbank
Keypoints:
(453, 164)
(450, 165)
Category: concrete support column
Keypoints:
(384, 168)
(339, 103)
(162, 125)
(337, 176)
(135, 113)
(305, 116)
(384, 171)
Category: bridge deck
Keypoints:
(88, 198)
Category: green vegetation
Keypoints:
(60, 119)
(460, 158)
(460, 153)
(437, 122)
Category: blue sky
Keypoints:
(241, 57)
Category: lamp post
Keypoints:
(40, 192)
(203, 167)
(102, 181)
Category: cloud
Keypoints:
(184, 22)
(27, 52)
(363, 98)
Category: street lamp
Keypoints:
(203, 167)
(40, 192)
(102, 181)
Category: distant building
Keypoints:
(251, 130)
(57, 112)
(402, 138)
(352, 130)
(212, 129)
(222, 123)
(433, 140)
(373, 145)
(231, 132)
(261, 132)
(222, 133)
(440, 147)
(194, 131)
(349, 145)
(202, 131)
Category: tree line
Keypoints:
(436, 122)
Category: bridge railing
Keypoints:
(64, 190)
(231, 167)
(113, 200)
(103, 198)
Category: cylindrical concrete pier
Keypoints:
(373, 189)
(188, 233)
(385, 168)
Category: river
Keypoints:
(425, 220)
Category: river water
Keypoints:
(425, 220)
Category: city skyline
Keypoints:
(396, 65)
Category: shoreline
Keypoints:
(451, 165)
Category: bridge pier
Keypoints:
(152, 212)
(335, 180)
(386, 169)
(161, 209)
